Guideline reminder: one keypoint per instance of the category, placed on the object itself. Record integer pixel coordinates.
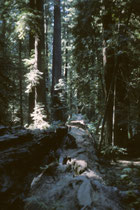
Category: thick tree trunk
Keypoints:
(108, 62)
(57, 105)
(46, 39)
(20, 86)
(31, 99)
(37, 95)
(56, 68)
(122, 99)
(121, 114)
(39, 47)
(47, 56)
(31, 105)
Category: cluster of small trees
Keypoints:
(87, 49)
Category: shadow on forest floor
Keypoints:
(125, 175)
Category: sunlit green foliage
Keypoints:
(27, 21)
(39, 117)
(33, 76)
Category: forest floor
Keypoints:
(81, 183)
(76, 180)
(72, 177)
(125, 175)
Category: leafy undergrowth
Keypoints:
(125, 175)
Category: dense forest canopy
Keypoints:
(59, 58)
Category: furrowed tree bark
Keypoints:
(20, 85)
(39, 40)
(31, 99)
(56, 68)
(108, 63)
(108, 100)
(122, 99)
(36, 42)
(57, 112)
